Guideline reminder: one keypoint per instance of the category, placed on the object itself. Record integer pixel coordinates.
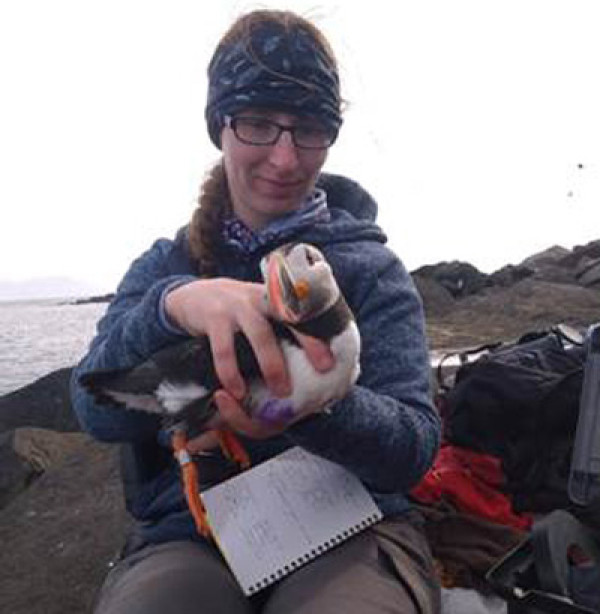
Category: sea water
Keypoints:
(37, 337)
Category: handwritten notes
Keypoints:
(283, 513)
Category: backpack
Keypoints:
(556, 568)
(519, 401)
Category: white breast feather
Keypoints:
(312, 390)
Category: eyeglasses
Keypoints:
(262, 131)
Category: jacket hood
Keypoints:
(353, 213)
(343, 193)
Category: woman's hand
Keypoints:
(221, 307)
(232, 416)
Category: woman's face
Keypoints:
(268, 181)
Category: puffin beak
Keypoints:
(284, 293)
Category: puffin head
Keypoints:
(299, 283)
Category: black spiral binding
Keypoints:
(315, 552)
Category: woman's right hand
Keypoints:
(219, 308)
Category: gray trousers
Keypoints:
(387, 568)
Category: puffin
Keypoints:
(178, 381)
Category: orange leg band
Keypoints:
(232, 448)
(189, 476)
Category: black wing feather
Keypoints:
(185, 362)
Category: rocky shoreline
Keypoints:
(62, 520)
(465, 307)
(103, 298)
(62, 517)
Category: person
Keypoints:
(274, 110)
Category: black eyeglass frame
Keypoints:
(230, 122)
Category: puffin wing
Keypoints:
(176, 381)
(168, 381)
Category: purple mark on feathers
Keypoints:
(276, 411)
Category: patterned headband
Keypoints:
(273, 69)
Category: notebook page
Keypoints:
(283, 513)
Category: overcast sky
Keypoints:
(475, 124)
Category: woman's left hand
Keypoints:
(232, 416)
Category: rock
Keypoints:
(26, 453)
(105, 298)
(36, 431)
(552, 255)
(556, 265)
(62, 517)
(590, 250)
(60, 535)
(46, 403)
(16, 472)
(551, 265)
(510, 275)
(43, 449)
(555, 273)
(588, 272)
(459, 278)
(437, 301)
(501, 314)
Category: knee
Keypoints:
(178, 577)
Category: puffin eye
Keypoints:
(310, 257)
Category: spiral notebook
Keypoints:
(281, 514)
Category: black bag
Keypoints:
(520, 402)
(555, 569)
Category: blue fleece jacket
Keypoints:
(385, 430)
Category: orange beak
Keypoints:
(283, 293)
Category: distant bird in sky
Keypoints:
(571, 193)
